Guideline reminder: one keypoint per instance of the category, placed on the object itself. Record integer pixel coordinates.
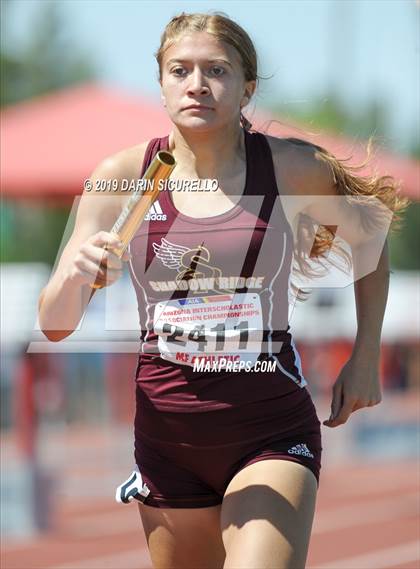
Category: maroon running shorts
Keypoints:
(188, 459)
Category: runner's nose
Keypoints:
(197, 84)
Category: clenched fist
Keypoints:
(95, 263)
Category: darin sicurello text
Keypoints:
(204, 185)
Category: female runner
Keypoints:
(229, 457)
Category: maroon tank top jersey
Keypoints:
(214, 292)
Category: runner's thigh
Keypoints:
(267, 516)
(183, 538)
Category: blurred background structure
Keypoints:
(78, 83)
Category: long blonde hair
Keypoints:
(375, 190)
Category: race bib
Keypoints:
(219, 328)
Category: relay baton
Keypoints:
(139, 204)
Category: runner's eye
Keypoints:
(178, 71)
(217, 71)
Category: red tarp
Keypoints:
(50, 144)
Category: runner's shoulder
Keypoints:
(103, 195)
(123, 165)
(299, 166)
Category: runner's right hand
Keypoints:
(96, 263)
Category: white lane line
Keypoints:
(133, 559)
(380, 559)
(367, 513)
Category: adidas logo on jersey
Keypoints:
(302, 450)
(155, 213)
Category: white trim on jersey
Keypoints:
(270, 288)
(270, 334)
(298, 363)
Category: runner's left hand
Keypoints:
(356, 387)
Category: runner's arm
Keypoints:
(63, 300)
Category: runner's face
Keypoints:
(200, 70)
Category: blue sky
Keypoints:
(366, 49)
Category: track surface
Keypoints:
(367, 517)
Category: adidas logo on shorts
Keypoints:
(155, 213)
(302, 450)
